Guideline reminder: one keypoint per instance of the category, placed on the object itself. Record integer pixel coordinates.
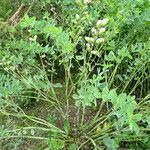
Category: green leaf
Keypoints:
(28, 21)
(55, 145)
(148, 120)
(113, 95)
(137, 117)
(97, 94)
(110, 143)
(110, 57)
(75, 96)
(66, 126)
(73, 147)
(134, 127)
(105, 93)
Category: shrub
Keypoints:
(101, 51)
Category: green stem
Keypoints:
(113, 75)
(83, 115)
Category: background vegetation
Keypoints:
(74, 74)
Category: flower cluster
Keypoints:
(97, 31)
(87, 1)
(33, 39)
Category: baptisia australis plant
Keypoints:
(94, 107)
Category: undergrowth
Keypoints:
(101, 50)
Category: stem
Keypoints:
(29, 128)
(83, 114)
(146, 97)
(98, 113)
(78, 116)
(28, 137)
(131, 77)
(113, 75)
(135, 86)
(79, 148)
(97, 125)
(34, 119)
(66, 91)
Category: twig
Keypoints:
(16, 16)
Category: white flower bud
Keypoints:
(88, 46)
(99, 40)
(105, 21)
(102, 30)
(95, 53)
(34, 38)
(77, 16)
(89, 39)
(101, 22)
(43, 56)
(94, 31)
(87, 1)
(30, 39)
(98, 23)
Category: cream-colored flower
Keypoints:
(101, 22)
(87, 1)
(102, 30)
(95, 53)
(89, 39)
(99, 40)
(94, 31)
(77, 16)
(34, 38)
(88, 46)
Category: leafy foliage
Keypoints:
(100, 50)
